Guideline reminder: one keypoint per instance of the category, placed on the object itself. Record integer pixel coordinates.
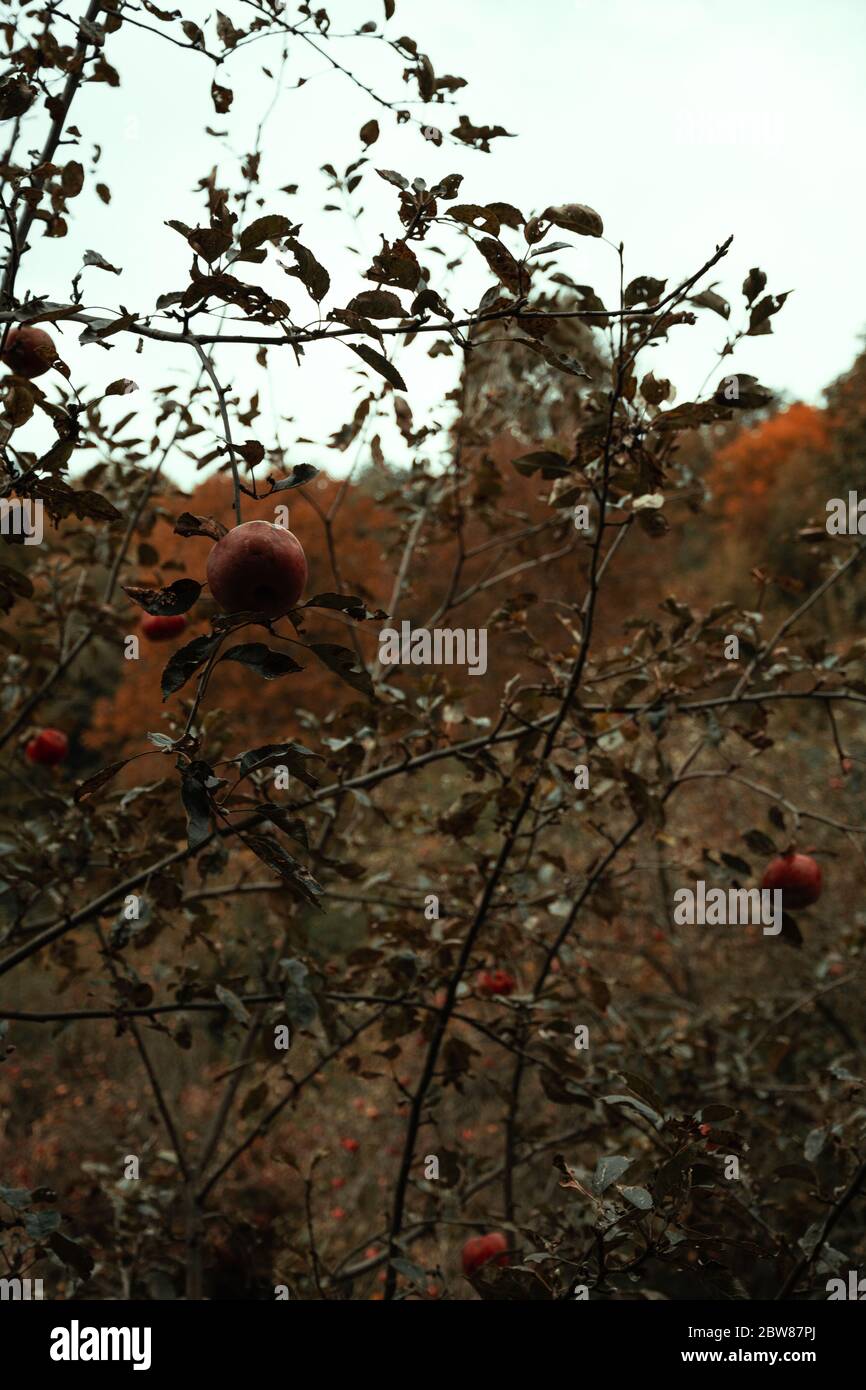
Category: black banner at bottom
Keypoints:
(63, 1340)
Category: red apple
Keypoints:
(478, 1250)
(161, 627)
(257, 568)
(49, 747)
(496, 982)
(29, 351)
(350, 1145)
(798, 876)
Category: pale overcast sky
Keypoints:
(680, 121)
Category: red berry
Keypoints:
(49, 747)
(351, 1145)
(496, 982)
(161, 627)
(799, 878)
(478, 1250)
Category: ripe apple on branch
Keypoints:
(47, 748)
(799, 878)
(257, 567)
(29, 351)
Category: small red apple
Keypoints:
(478, 1250)
(350, 1145)
(161, 627)
(257, 568)
(29, 351)
(798, 876)
(496, 982)
(49, 747)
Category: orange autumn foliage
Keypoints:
(777, 453)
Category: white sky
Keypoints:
(680, 121)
